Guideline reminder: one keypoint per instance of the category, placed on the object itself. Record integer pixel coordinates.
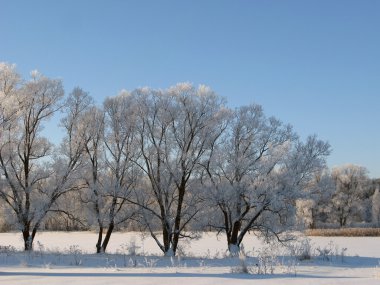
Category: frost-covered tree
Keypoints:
(312, 207)
(351, 182)
(67, 213)
(93, 134)
(376, 207)
(110, 173)
(23, 153)
(177, 130)
(252, 146)
(304, 213)
(121, 173)
(256, 172)
(9, 84)
(68, 160)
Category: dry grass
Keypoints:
(345, 232)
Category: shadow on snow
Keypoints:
(172, 275)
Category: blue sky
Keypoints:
(313, 64)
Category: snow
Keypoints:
(69, 258)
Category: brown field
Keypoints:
(345, 232)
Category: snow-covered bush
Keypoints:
(267, 259)
(76, 253)
(150, 262)
(332, 252)
(301, 248)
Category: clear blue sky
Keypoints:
(313, 64)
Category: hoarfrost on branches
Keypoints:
(167, 160)
(376, 207)
(257, 173)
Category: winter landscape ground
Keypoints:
(62, 258)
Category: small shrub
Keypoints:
(301, 249)
(129, 249)
(7, 249)
(343, 253)
(267, 260)
(326, 253)
(150, 262)
(132, 262)
(76, 253)
(110, 263)
(41, 249)
(132, 247)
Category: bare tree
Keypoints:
(177, 130)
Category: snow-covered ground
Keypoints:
(69, 258)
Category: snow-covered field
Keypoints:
(69, 258)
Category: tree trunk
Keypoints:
(107, 237)
(166, 238)
(99, 243)
(342, 221)
(177, 222)
(234, 249)
(233, 242)
(313, 222)
(169, 252)
(175, 242)
(28, 239)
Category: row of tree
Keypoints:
(344, 196)
(164, 159)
